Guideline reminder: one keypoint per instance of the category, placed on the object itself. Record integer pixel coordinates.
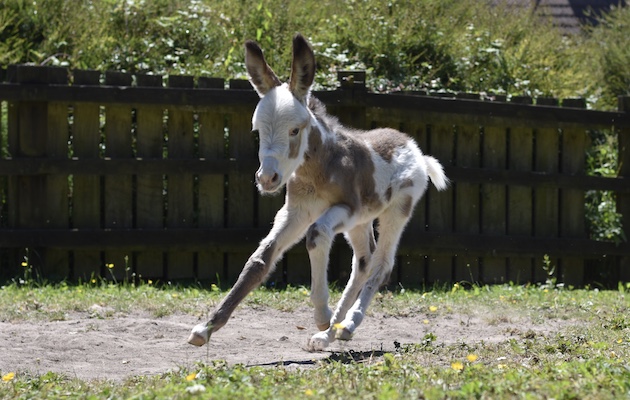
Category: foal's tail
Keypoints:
(436, 173)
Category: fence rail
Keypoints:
(113, 168)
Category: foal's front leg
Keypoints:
(289, 227)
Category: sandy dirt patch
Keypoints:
(117, 347)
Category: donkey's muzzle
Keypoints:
(268, 178)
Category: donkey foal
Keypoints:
(338, 180)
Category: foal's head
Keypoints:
(281, 118)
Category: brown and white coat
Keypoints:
(339, 180)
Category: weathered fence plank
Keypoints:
(57, 189)
(546, 210)
(149, 187)
(29, 138)
(623, 199)
(240, 189)
(519, 221)
(211, 186)
(180, 204)
(86, 192)
(467, 207)
(572, 210)
(440, 205)
(118, 189)
(494, 200)
(518, 173)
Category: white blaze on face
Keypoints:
(280, 120)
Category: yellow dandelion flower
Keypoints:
(338, 325)
(24, 264)
(191, 377)
(93, 280)
(501, 366)
(457, 366)
(425, 321)
(110, 266)
(150, 282)
(433, 308)
(308, 392)
(8, 377)
(619, 341)
(472, 357)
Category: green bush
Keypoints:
(427, 44)
(609, 56)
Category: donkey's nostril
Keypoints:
(274, 178)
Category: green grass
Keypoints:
(587, 359)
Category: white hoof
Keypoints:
(322, 318)
(319, 341)
(199, 335)
(344, 334)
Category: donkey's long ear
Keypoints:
(302, 69)
(261, 75)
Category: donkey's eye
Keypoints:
(295, 131)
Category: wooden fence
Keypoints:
(101, 169)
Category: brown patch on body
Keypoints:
(388, 194)
(385, 141)
(406, 183)
(362, 264)
(339, 170)
(311, 235)
(407, 206)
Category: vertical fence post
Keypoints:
(211, 186)
(623, 199)
(180, 209)
(545, 200)
(57, 188)
(467, 203)
(574, 142)
(149, 198)
(118, 188)
(29, 196)
(520, 198)
(86, 193)
(241, 191)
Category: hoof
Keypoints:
(323, 327)
(344, 330)
(199, 335)
(318, 342)
(343, 334)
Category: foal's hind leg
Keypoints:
(383, 263)
(392, 224)
(318, 242)
(361, 239)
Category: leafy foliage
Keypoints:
(440, 45)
